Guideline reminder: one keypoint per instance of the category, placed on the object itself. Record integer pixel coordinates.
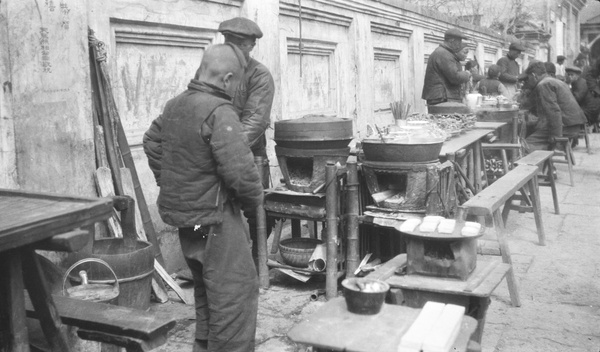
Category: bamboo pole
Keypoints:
(261, 233)
(331, 209)
(104, 119)
(352, 252)
(111, 115)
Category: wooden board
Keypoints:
(35, 216)
(333, 327)
(109, 318)
(128, 189)
(488, 125)
(453, 145)
(495, 195)
(104, 184)
(473, 286)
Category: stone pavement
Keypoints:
(559, 283)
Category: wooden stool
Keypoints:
(543, 160)
(584, 133)
(565, 151)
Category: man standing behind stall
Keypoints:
(560, 67)
(444, 76)
(253, 101)
(558, 112)
(205, 170)
(509, 68)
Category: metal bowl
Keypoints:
(419, 150)
(364, 295)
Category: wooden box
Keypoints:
(451, 258)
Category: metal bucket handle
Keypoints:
(85, 260)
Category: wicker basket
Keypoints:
(297, 251)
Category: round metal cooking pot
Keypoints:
(418, 151)
(313, 132)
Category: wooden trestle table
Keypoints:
(27, 220)
(333, 327)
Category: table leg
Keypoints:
(478, 307)
(477, 166)
(13, 328)
(42, 301)
(296, 228)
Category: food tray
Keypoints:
(435, 235)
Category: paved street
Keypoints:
(559, 283)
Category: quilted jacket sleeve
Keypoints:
(153, 147)
(256, 113)
(448, 67)
(548, 108)
(235, 162)
(580, 90)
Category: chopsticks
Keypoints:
(400, 110)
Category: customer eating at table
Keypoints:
(492, 85)
(558, 113)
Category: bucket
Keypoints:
(93, 292)
(133, 267)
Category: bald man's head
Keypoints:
(223, 66)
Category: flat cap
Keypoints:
(454, 33)
(560, 57)
(240, 26)
(572, 68)
(516, 46)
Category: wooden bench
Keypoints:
(543, 160)
(489, 202)
(134, 329)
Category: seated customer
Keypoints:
(492, 85)
(558, 113)
(583, 94)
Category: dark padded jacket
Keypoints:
(584, 96)
(443, 76)
(555, 103)
(200, 156)
(509, 70)
(253, 101)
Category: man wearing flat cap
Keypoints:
(584, 96)
(558, 113)
(253, 101)
(509, 68)
(444, 76)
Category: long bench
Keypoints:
(134, 329)
(489, 202)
